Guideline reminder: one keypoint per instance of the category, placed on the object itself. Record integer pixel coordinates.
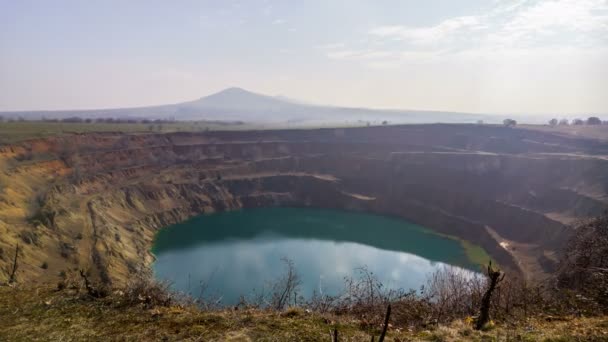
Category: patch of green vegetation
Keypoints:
(476, 253)
(11, 132)
(15, 131)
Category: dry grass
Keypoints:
(30, 314)
(599, 132)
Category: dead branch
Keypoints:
(495, 276)
(13, 277)
(93, 292)
(386, 318)
(287, 286)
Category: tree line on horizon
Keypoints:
(77, 119)
(591, 121)
(508, 122)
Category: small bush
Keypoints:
(24, 156)
(45, 265)
(66, 249)
(144, 290)
(584, 268)
(293, 312)
(29, 237)
(43, 216)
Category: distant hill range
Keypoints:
(236, 104)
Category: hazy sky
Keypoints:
(499, 56)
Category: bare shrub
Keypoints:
(44, 215)
(285, 289)
(256, 300)
(367, 298)
(145, 291)
(213, 301)
(30, 237)
(276, 295)
(66, 249)
(449, 293)
(323, 303)
(516, 299)
(364, 289)
(584, 268)
(454, 293)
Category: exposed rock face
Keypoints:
(95, 201)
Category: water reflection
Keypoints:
(238, 252)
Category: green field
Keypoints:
(11, 132)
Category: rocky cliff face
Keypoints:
(95, 201)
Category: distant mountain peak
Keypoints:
(236, 98)
(234, 93)
(235, 103)
(234, 90)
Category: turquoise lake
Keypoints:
(236, 253)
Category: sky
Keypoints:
(484, 56)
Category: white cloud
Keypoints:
(431, 34)
(279, 21)
(522, 27)
(564, 22)
(331, 46)
(575, 15)
(358, 54)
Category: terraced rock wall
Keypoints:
(95, 201)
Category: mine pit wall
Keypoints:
(320, 193)
(102, 203)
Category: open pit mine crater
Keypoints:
(95, 201)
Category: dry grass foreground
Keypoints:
(46, 314)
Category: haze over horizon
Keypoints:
(475, 56)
